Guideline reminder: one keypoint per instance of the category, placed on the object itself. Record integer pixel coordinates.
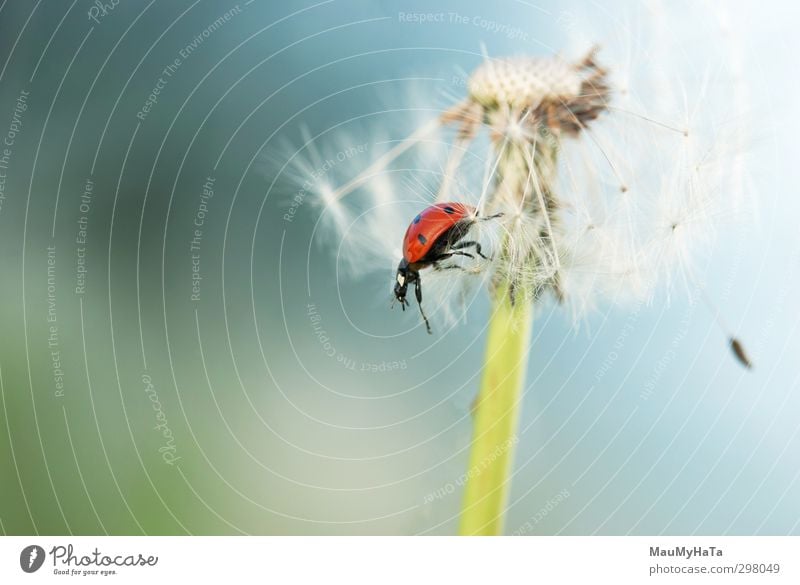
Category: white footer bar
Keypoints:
(401, 560)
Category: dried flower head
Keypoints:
(560, 95)
(528, 105)
(593, 206)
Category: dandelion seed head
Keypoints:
(609, 179)
(523, 81)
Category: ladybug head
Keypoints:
(405, 276)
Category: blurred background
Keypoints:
(184, 350)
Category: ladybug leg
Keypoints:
(470, 244)
(418, 293)
(450, 254)
(437, 266)
(444, 256)
(495, 216)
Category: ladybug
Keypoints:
(435, 235)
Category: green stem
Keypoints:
(496, 415)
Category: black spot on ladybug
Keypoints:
(422, 239)
(416, 219)
(449, 209)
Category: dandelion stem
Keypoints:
(521, 167)
(496, 416)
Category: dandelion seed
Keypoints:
(739, 352)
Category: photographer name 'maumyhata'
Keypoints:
(686, 551)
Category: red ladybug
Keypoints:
(434, 235)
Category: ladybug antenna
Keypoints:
(403, 302)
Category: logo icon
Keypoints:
(31, 558)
